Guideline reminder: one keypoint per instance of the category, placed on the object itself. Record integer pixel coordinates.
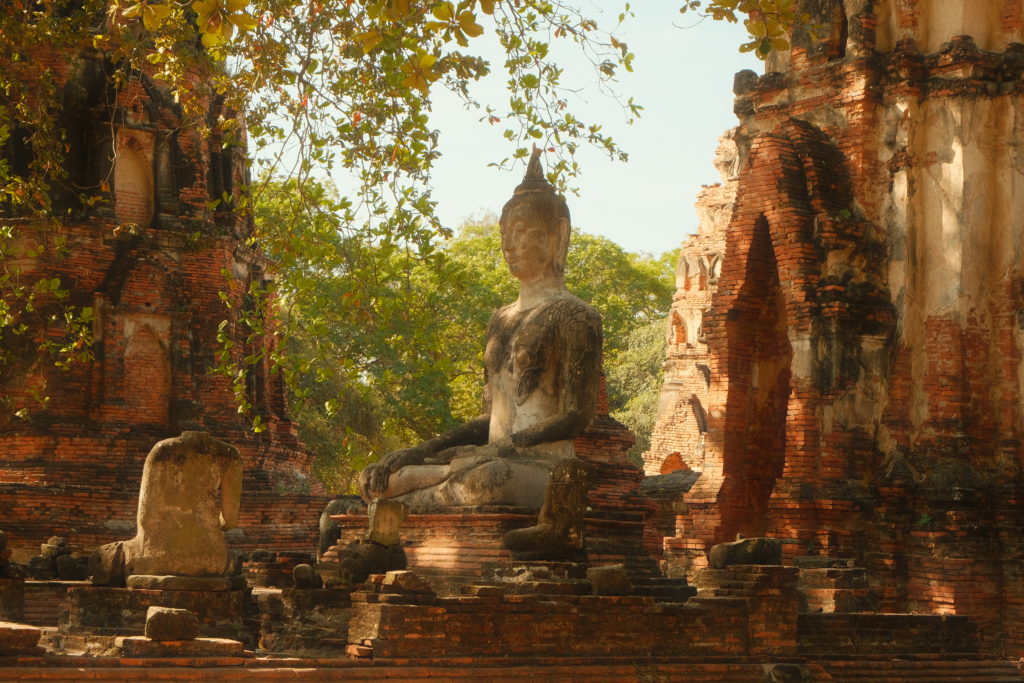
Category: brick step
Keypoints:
(666, 594)
(662, 589)
(833, 578)
(932, 671)
(19, 639)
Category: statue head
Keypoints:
(535, 226)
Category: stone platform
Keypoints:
(453, 548)
(743, 612)
(514, 670)
(140, 646)
(743, 626)
(103, 611)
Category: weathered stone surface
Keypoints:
(304, 622)
(106, 565)
(169, 623)
(822, 562)
(539, 578)
(559, 533)
(611, 579)
(786, 673)
(386, 517)
(70, 568)
(262, 555)
(361, 558)
(542, 361)
(330, 532)
(140, 646)
(180, 524)
(44, 566)
(54, 547)
(405, 581)
(746, 551)
(304, 576)
(178, 583)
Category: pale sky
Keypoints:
(683, 78)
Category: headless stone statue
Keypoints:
(180, 523)
(542, 366)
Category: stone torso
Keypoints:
(533, 355)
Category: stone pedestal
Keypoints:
(104, 611)
(539, 578)
(446, 549)
(178, 583)
(451, 549)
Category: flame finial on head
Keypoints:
(534, 180)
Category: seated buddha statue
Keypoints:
(542, 367)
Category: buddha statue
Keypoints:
(542, 367)
(190, 495)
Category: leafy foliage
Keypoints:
(634, 382)
(767, 21)
(326, 85)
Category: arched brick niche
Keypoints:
(785, 343)
(759, 361)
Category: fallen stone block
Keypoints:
(610, 579)
(746, 551)
(169, 623)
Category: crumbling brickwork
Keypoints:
(680, 427)
(865, 338)
(152, 260)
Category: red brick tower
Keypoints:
(677, 442)
(73, 467)
(865, 341)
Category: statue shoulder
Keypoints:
(571, 310)
(497, 317)
(189, 444)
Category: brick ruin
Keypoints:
(864, 342)
(850, 334)
(73, 466)
(677, 442)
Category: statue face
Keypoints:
(530, 247)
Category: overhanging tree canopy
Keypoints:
(324, 84)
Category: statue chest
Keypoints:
(521, 359)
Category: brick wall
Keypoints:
(864, 339)
(151, 261)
